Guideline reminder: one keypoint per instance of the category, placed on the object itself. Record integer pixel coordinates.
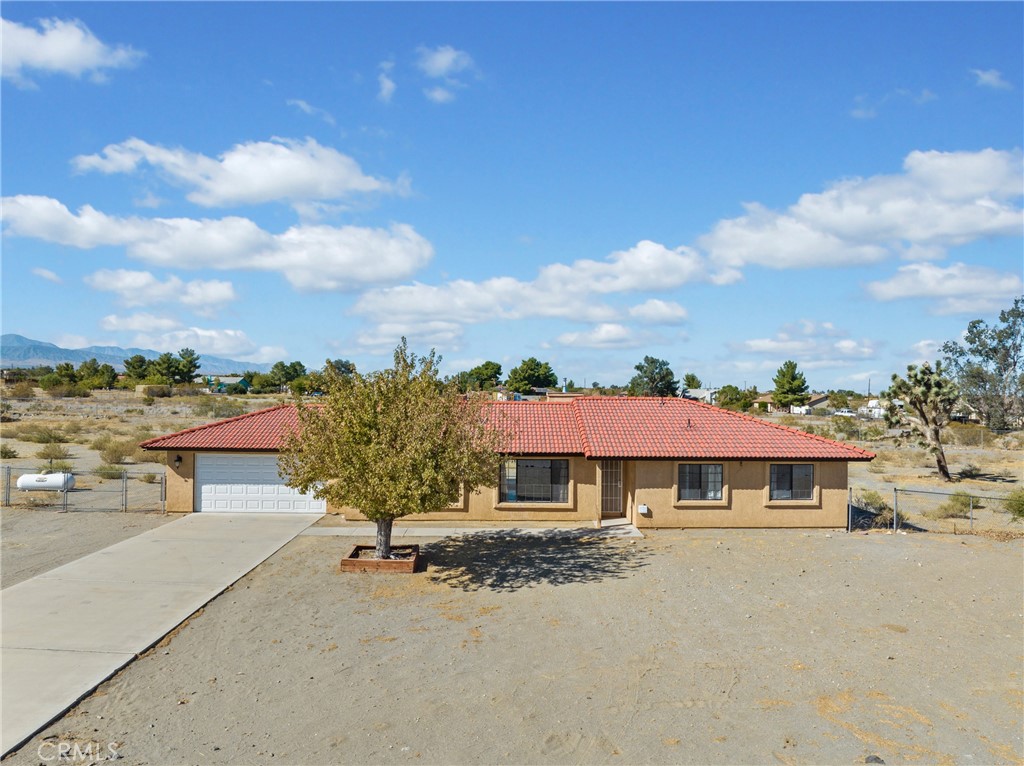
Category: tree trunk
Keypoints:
(940, 455)
(384, 538)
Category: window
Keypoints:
(792, 482)
(534, 481)
(700, 482)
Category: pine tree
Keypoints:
(790, 387)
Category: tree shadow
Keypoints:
(866, 519)
(507, 560)
(983, 476)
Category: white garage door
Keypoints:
(247, 483)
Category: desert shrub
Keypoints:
(1011, 441)
(22, 390)
(109, 471)
(870, 500)
(1014, 505)
(37, 499)
(151, 392)
(148, 478)
(53, 451)
(789, 420)
(7, 452)
(133, 411)
(41, 434)
(873, 432)
(217, 407)
(149, 401)
(883, 519)
(69, 390)
(55, 466)
(957, 507)
(119, 451)
(970, 471)
(967, 434)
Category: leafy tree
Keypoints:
(690, 380)
(989, 367)
(164, 367)
(838, 400)
(487, 375)
(731, 397)
(790, 387)
(928, 398)
(136, 367)
(531, 373)
(392, 443)
(653, 378)
(187, 367)
(104, 376)
(342, 367)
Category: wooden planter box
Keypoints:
(353, 563)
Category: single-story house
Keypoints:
(654, 462)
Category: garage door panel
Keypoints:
(247, 483)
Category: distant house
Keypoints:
(651, 461)
(706, 395)
(765, 403)
(220, 383)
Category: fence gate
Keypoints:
(102, 490)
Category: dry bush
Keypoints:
(38, 499)
(1012, 441)
(120, 451)
(1014, 505)
(56, 466)
(148, 478)
(967, 435)
(53, 452)
(23, 390)
(957, 507)
(109, 471)
(39, 434)
(7, 452)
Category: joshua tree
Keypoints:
(928, 399)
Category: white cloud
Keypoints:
(140, 322)
(814, 344)
(867, 108)
(312, 111)
(249, 173)
(439, 95)
(48, 275)
(990, 78)
(309, 257)
(233, 343)
(443, 63)
(960, 288)
(385, 85)
(560, 290)
(656, 311)
(59, 47)
(605, 335)
(926, 350)
(384, 336)
(141, 288)
(942, 199)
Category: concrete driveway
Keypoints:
(66, 631)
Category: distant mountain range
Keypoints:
(19, 351)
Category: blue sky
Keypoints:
(724, 186)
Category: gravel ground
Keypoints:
(36, 540)
(685, 647)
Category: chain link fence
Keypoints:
(926, 510)
(97, 490)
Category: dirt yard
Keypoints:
(685, 647)
(36, 540)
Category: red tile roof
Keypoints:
(597, 427)
(259, 431)
(642, 427)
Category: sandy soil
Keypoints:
(33, 541)
(684, 647)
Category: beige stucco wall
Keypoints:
(582, 509)
(181, 482)
(744, 501)
(645, 482)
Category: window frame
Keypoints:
(721, 502)
(814, 498)
(501, 498)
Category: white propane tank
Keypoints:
(60, 482)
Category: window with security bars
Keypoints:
(534, 481)
(700, 482)
(791, 482)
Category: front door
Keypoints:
(611, 489)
